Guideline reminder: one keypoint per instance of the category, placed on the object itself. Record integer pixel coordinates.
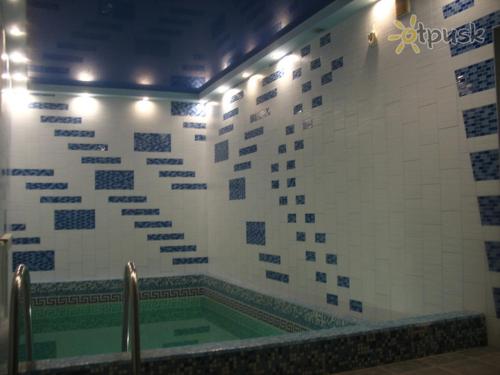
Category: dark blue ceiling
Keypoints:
(171, 45)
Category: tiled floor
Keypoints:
(480, 361)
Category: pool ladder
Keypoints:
(131, 327)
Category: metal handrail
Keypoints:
(20, 286)
(130, 330)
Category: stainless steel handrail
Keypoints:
(20, 286)
(130, 330)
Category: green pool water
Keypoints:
(74, 330)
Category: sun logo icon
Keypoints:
(408, 35)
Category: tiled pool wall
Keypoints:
(361, 181)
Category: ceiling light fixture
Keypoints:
(19, 77)
(222, 89)
(278, 54)
(18, 57)
(85, 76)
(15, 30)
(246, 74)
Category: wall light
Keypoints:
(287, 62)
(85, 76)
(85, 104)
(6, 76)
(19, 77)
(222, 89)
(5, 57)
(383, 9)
(18, 57)
(246, 74)
(16, 31)
(17, 98)
(145, 106)
(278, 54)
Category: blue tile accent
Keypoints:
(269, 258)
(324, 40)
(237, 189)
(331, 258)
(187, 109)
(281, 149)
(489, 209)
(60, 120)
(160, 161)
(152, 142)
(140, 211)
(320, 237)
(256, 233)
(248, 150)
(263, 113)
(316, 63)
(237, 97)
(310, 218)
(254, 133)
(272, 77)
(456, 7)
(481, 120)
(177, 249)
(290, 164)
(195, 260)
(493, 255)
(291, 182)
(475, 78)
(290, 129)
(297, 108)
(343, 282)
(242, 166)
(101, 160)
(61, 199)
(114, 180)
(310, 256)
(153, 224)
(307, 86)
(226, 129)
(487, 23)
(177, 174)
(267, 96)
(356, 306)
(200, 137)
(74, 219)
(337, 63)
(297, 73)
(74, 133)
(326, 78)
(165, 236)
(305, 50)
(87, 147)
(277, 276)
(275, 184)
(29, 172)
(127, 199)
(283, 201)
(48, 106)
(231, 113)
(332, 299)
(275, 167)
(17, 227)
(221, 151)
(320, 277)
(496, 301)
(485, 165)
(46, 185)
(300, 236)
(194, 125)
(42, 260)
(189, 186)
(300, 199)
(299, 145)
(317, 101)
(292, 218)
(25, 240)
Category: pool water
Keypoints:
(74, 330)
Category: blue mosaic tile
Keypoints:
(489, 209)
(272, 77)
(356, 306)
(231, 113)
(297, 108)
(46, 185)
(74, 219)
(42, 260)
(221, 151)
(300, 199)
(194, 125)
(165, 236)
(49, 106)
(326, 78)
(277, 276)
(254, 133)
(153, 224)
(200, 137)
(317, 101)
(114, 180)
(189, 186)
(290, 164)
(248, 150)
(343, 282)
(337, 63)
(300, 236)
(226, 129)
(127, 199)
(332, 299)
(456, 7)
(237, 97)
(331, 258)
(140, 211)
(267, 96)
(275, 167)
(25, 240)
(320, 237)
(291, 182)
(493, 255)
(481, 121)
(195, 260)
(283, 201)
(74, 133)
(316, 63)
(310, 256)
(176, 174)
(269, 258)
(263, 113)
(60, 120)
(187, 109)
(324, 40)
(177, 249)
(299, 145)
(496, 301)
(487, 23)
(242, 166)
(307, 86)
(305, 50)
(275, 184)
(320, 277)
(17, 227)
(290, 129)
(152, 142)
(29, 172)
(161, 161)
(101, 160)
(292, 218)
(61, 199)
(282, 149)
(237, 189)
(310, 218)
(256, 233)
(297, 73)
(475, 78)
(485, 165)
(87, 147)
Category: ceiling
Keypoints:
(168, 45)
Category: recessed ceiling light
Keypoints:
(246, 74)
(85, 76)
(18, 57)
(15, 30)
(278, 54)
(222, 89)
